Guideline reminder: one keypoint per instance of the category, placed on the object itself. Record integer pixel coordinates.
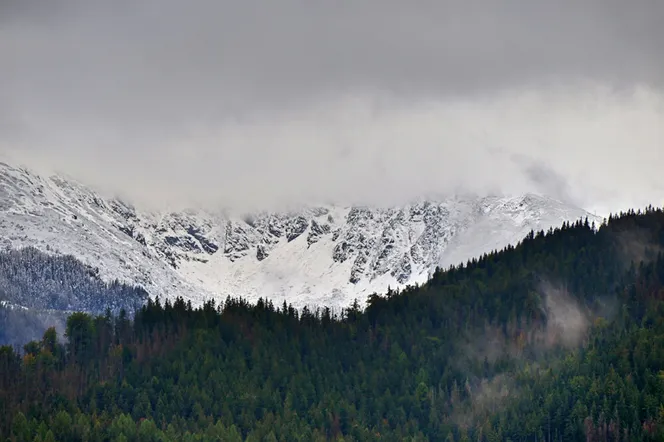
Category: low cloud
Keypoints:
(244, 103)
(636, 245)
(567, 323)
(531, 348)
(485, 397)
(592, 146)
(19, 326)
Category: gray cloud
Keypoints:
(242, 101)
(546, 180)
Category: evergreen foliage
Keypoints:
(560, 338)
(38, 290)
(36, 280)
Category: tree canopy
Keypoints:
(558, 338)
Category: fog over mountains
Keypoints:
(314, 255)
(359, 146)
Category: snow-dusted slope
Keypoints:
(316, 255)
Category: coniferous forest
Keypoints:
(38, 290)
(560, 338)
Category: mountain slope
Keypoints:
(314, 255)
(558, 339)
(38, 291)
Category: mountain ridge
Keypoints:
(312, 255)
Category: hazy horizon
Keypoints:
(246, 104)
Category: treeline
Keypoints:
(560, 338)
(38, 290)
(36, 280)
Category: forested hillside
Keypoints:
(560, 338)
(38, 290)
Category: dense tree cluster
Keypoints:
(559, 338)
(37, 280)
(37, 290)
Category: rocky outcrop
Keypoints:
(340, 250)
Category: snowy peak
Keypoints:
(313, 255)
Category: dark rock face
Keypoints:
(123, 209)
(261, 253)
(341, 251)
(317, 231)
(131, 232)
(182, 242)
(127, 230)
(403, 271)
(141, 239)
(296, 227)
(207, 245)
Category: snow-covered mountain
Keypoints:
(324, 255)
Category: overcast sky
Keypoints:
(248, 102)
